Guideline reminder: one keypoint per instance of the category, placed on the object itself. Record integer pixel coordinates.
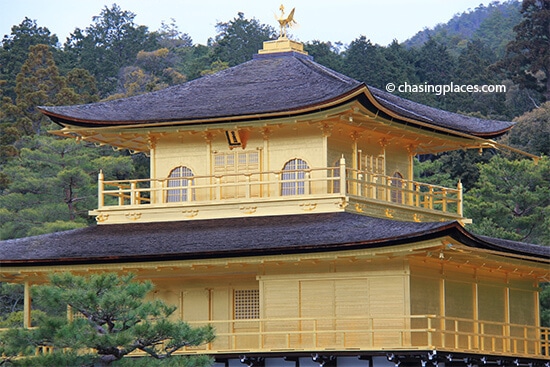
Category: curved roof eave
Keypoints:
(259, 89)
(64, 120)
(429, 117)
(353, 94)
(201, 240)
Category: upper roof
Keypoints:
(234, 237)
(272, 85)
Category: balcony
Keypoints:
(364, 334)
(318, 190)
(422, 332)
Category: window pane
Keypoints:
(294, 174)
(179, 182)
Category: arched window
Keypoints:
(294, 173)
(179, 180)
(397, 186)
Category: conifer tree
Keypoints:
(527, 58)
(109, 44)
(38, 84)
(239, 39)
(365, 62)
(15, 50)
(109, 317)
(511, 200)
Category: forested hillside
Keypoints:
(493, 25)
(49, 184)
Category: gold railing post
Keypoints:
(460, 203)
(343, 189)
(100, 198)
(248, 188)
(120, 195)
(218, 188)
(133, 193)
(27, 306)
(430, 339)
(189, 189)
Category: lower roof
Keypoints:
(221, 238)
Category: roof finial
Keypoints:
(285, 22)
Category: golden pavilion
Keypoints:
(281, 208)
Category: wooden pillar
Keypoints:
(343, 188)
(27, 306)
(156, 194)
(100, 197)
(410, 174)
(460, 204)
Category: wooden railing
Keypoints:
(369, 333)
(398, 190)
(268, 185)
(415, 332)
(259, 185)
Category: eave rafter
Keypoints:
(134, 142)
(424, 141)
(456, 255)
(425, 137)
(412, 125)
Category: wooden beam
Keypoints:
(27, 306)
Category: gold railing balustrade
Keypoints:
(414, 332)
(375, 333)
(398, 190)
(275, 185)
(259, 185)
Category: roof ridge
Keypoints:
(321, 69)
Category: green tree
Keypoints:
(497, 30)
(114, 320)
(532, 131)
(434, 64)
(169, 36)
(473, 67)
(545, 305)
(431, 171)
(11, 299)
(511, 200)
(239, 39)
(364, 61)
(194, 60)
(400, 64)
(110, 43)
(38, 83)
(527, 59)
(52, 184)
(9, 134)
(15, 50)
(325, 53)
(83, 85)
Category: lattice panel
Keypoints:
(247, 304)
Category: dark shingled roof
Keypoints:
(453, 121)
(254, 236)
(260, 86)
(286, 83)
